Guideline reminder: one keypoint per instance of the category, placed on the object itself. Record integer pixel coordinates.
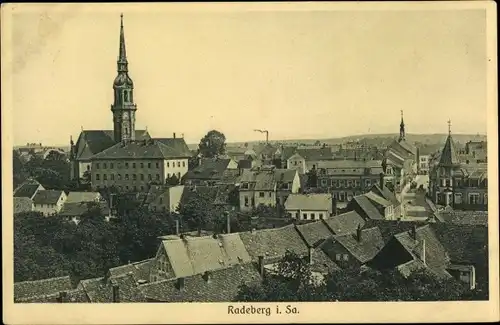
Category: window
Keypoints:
(183, 164)
(168, 164)
(261, 194)
(246, 201)
(88, 167)
(341, 183)
(338, 257)
(119, 177)
(142, 165)
(111, 165)
(126, 165)
(485, 201)
(178, 164)
(112, 177)
(97, 177)
(346, 257)
(458, 198)
(313, 217)
(97, 166)
(368, 183)
(105, 177)
(149, 177)
(133, 165)
(126, 177)
(321, 215)
(179, 176)
(168, 175)
(323, 182)
(157, 177)
(304, 216)
(297, 215)
(473, 198)
(142, 177)
(356, 183)
(270, 194)
(104, 166)
(149, 165)
(295, 163)
(134, 177)
(341, 196)
(126, 187)
(349, 183)
(157, 165)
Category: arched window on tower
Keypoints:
(131, 98)
(125, 96)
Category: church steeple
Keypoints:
(123, 107)
(449, 157)
(402, 128)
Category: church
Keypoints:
(126, 158)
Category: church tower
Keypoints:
(123, 107)
(401, 129)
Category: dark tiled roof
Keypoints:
(47, 197)
(178, 144)
(449, 154)
(322, 263)
(389, 228)
(72, 296)
(368, 207)
(139, 270)
(245, 164)
(209, 169)
(314, 233)
(436, 258)
(142, 149)
(464, 217)
(22, 204)
(371, 243)
(272, 243)
(79, 209)
(386, 194)
(91, 142)
(45, 287)
(345, 223)
(26, 190)
(223, 286)
(316, 153)
(99, 290)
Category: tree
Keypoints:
(212, 144)
(312, 178)
(172, 180)
(18, 171)
(55, 155)
(198, 211)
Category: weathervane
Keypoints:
(449, 126)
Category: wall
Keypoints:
(335, 250)
(310, 214)
(161, 268)
(179, 167)
(169, 200)
(297, 163)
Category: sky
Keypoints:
(298, 74)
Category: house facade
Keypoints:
(165, 198)
(268, 186)
(309, 206)
(49, 202)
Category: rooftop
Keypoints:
(47, 196)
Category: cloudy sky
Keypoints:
(298, 74)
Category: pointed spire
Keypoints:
(402, 128)
(449, 155)
(122, 56)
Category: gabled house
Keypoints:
(267, 186)
(309, 206)
(211, 171)
(354, 250)
(373, 206)
(28, 189)
(49, 202)
(188, 256)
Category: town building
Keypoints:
(164, 198)
(345, 179)
(28, 189)
(458, 184)
(401, 158)
(268, 186)
(49, 202)
(211, 171)
(309, 206)
(126, 158)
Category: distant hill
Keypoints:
(373, 139)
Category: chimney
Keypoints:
(310, 255)
(381, 180)
(414, 232)
(358, 233)
(116, 293)
(177, 227)
(423, 252)
(207, 276)
(63, 296)
(334, 205)
(174, 135)
(180, 284)
(228, 223)
(261, 265)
